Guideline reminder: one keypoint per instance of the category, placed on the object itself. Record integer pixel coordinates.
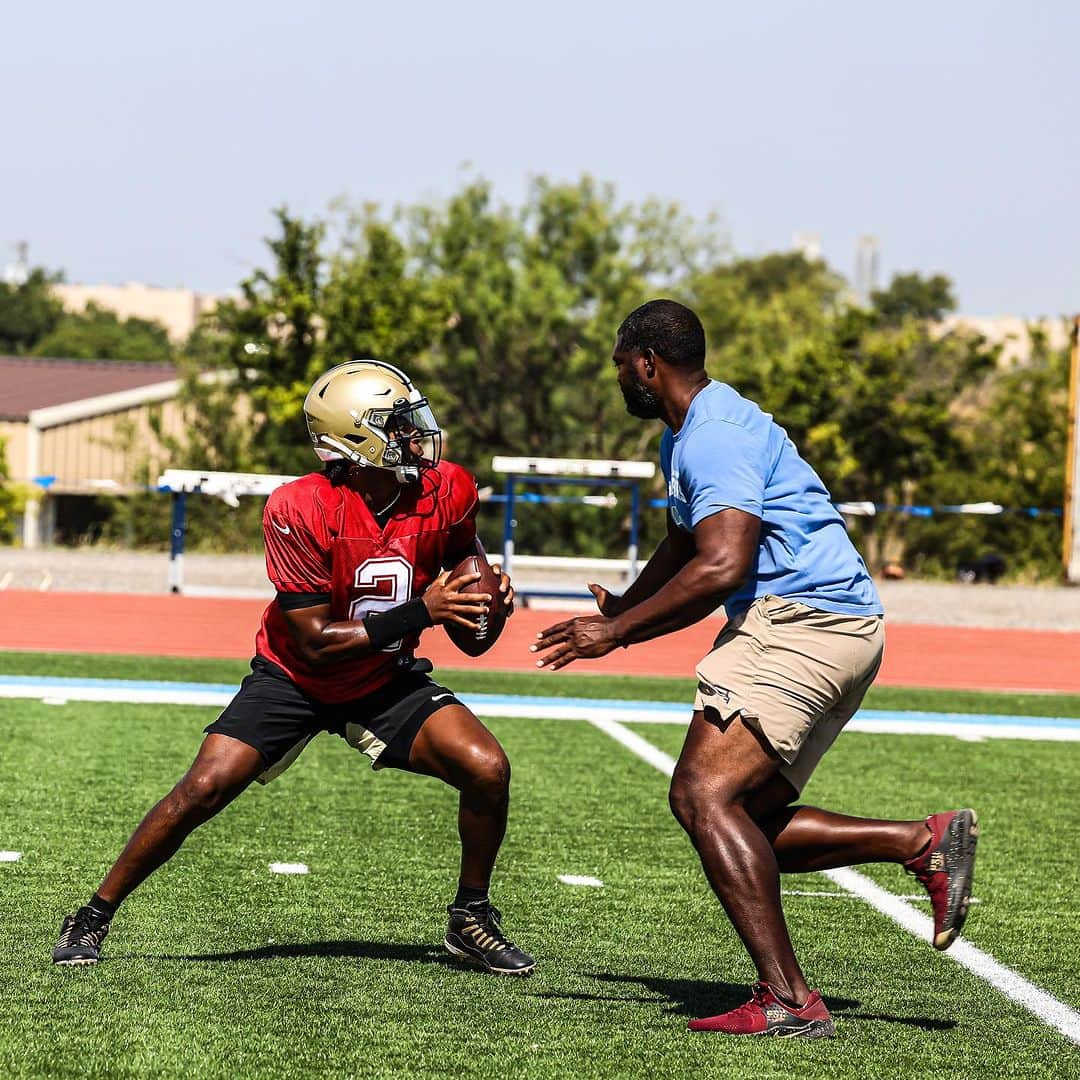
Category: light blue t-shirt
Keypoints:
(730, 454)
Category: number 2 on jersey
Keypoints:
(382, 584)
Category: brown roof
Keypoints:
(28, 382)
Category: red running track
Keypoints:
(932, 656)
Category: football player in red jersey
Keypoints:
(357, 555)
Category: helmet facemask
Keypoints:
(413, 439)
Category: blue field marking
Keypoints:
(684, 709)
(63, 683)
(981, 719)
(626, 711)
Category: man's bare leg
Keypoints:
(719, 770)
(730, 796)
(806, 838)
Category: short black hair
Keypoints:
(670, 329)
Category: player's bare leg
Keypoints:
(222, 769)
(455, 747)
(729, 795)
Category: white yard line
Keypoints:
(10, 856)
(637, 745)
(288, 868)
(1046, 1008)
(581, 879)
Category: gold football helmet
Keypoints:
(369, 413)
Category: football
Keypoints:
(477, 642)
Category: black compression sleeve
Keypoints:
(385, 627)
(293, 601)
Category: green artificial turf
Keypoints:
(217, 968)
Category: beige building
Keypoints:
(178, 310)
(77, 429)
(1011, 332)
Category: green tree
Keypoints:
(99, 334)
(523, 363)
(1015, 436)
(914, 296)
(376, 305)
(12, 500)
(870, 401)
(271, 338)
(28, 312)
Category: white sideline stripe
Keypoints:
(658, 713)
(289, 868)
(1043, 1006)
(581, 879)
(10, 856)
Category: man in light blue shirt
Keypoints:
(751, 526)
(730, 454)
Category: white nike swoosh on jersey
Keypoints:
(439, 697)
(283, 529)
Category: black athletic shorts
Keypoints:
(271, 713)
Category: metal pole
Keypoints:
(1071, 509)
(635, 513)
(176, 541)
(508, 524)
(32, 512)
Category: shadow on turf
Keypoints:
(699, 997)
(354, 950)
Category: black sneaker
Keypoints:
(80, 939)
(474, 934)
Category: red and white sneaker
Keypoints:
(946, 868)
(766, 1014)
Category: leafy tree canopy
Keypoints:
(98, 334)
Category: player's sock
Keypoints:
(102, 907)
(467, 895)
(787, 1002)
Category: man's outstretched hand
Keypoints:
(584, 638)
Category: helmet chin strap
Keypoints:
(404, 474)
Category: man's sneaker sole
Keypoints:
(815, 1029)
(460, 954)
(84, 962)
(966, 823)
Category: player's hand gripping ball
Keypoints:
(488, 626)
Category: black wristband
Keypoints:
(385, 627)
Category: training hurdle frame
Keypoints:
(579, 472)
(223, 485)
(230, 487)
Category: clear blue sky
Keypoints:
(149, 142)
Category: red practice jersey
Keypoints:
(322, 538)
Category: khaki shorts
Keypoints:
(796, 673)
